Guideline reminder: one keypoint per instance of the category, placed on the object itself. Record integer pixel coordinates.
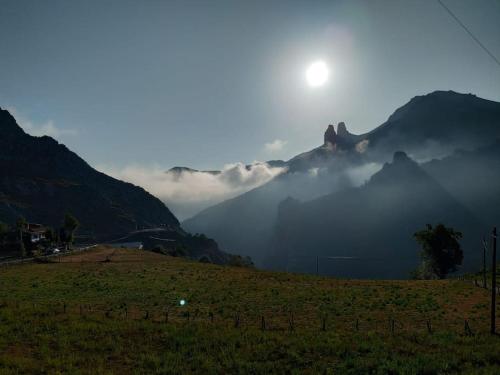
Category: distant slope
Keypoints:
(42, 180)
(473, 178)
(373, 223)
(244, 224)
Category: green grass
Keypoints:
(86, 315)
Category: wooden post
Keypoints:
(493, 281)
(317, 265)
(467, 329)
(485, 244)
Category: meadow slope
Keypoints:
(117, 311)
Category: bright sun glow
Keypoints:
(317, 74)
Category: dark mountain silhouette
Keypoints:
(429, 126)
(42, 180)
(368, 231)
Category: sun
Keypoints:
(317, 74)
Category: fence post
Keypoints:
(485, 245)
(493, 281)
(262, 323)
(467, 329)
(323, 323)
(429, 326)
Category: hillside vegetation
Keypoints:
(117, 311)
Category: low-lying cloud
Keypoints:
(188, 192)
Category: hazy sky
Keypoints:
(207, 83)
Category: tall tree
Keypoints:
(70, 225)
(21, 227)
(4, 228)
(441, 250)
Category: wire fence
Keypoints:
(285, 321)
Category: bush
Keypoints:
(441, 251)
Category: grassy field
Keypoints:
(117, 311)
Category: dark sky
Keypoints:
(205, 83)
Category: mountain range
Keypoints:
(441, 130)
(348, 207)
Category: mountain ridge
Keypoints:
(238, 224)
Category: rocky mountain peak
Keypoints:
(8, 125)
(400, 157)
(330, 136)
(342, 130)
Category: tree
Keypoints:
(21, 226)
(441, 251)
(70, 225)
(50, 236)
(4, 228)
(21, 223)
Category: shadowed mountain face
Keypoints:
(42, 180)
(368, 231)
(473, 178)
(436, 124)
(430, 126)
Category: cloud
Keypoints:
(47, 128)
(361, 174)
(188, 192)
(362, 146)
(275, 146)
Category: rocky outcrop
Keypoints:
(342, 130)
(400, 157)
(330, 137)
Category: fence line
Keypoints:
(263, 321)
